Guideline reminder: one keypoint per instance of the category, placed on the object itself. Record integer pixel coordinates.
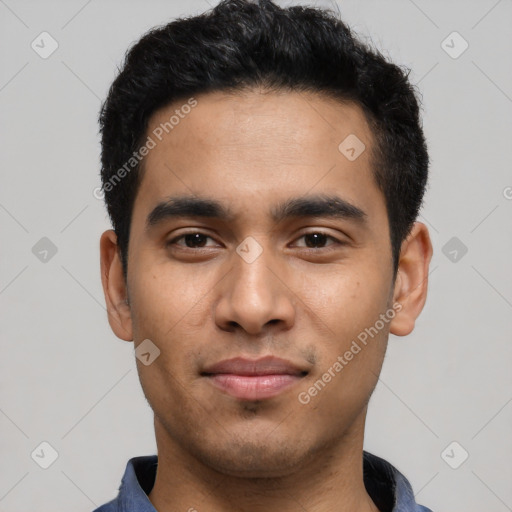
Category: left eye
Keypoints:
(317, 239)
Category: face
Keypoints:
(259, 258)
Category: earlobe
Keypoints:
(114, 287)
(411, 284)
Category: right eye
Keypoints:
(193, 240)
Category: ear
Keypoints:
(114, 287)
(410, 291)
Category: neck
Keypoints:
(332, 482)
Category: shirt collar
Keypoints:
(387, 487)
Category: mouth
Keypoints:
(249, 379)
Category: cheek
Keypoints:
(345, 301)
(350, 305)
(169, 307)
(165, 296)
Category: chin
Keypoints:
(255, 458)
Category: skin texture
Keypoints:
(252, 151)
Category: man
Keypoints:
(263, 171)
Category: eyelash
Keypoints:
(329, 237)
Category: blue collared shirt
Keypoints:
(388, 488)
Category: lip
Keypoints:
(254, 379)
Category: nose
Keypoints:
(255, 296)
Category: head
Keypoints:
(263, 170)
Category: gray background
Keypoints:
(67, 380)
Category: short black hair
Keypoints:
(242, 44)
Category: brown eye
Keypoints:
(195, 240)
(191, 240)
(315, 239)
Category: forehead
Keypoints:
(258, 145)
(267, 120)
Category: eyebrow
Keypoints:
(330, 206)
(318, 206)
